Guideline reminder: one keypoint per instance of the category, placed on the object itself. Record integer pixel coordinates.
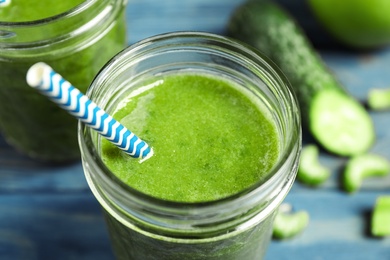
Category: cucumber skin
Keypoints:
(267, 27)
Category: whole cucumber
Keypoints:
(336, 120)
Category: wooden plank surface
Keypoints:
(49, 212)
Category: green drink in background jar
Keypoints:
(225, 130)
(76, 38)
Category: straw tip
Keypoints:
(148, 155)
(36, 73)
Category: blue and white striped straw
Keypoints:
(51, 84)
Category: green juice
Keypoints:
(133, 244)
(210, 140)
(225, 132)
(29, 121)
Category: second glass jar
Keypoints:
(76, 43)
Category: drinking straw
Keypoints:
(4, 3)
(51, 84)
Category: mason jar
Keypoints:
(235, 227)
(76, 42)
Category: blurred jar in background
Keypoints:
(76, 38)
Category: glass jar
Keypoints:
(236, 227)
(76, 43)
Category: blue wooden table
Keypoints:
(49, 212)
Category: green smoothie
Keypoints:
(225, 132)
(30, 122)
(249, 244)
(210, 140)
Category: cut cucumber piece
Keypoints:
(363, 166)
(379, 99)
(270, 29)
(310, 171)
(289, 224)
(340, 123)
(380, 222)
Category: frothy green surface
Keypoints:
(209, 140)
(28, 10)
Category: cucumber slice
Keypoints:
(380, 222)
(340, 123)
(270, 29)
(310, 171)
(363, 166)
(379, 99)
(289, 224)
